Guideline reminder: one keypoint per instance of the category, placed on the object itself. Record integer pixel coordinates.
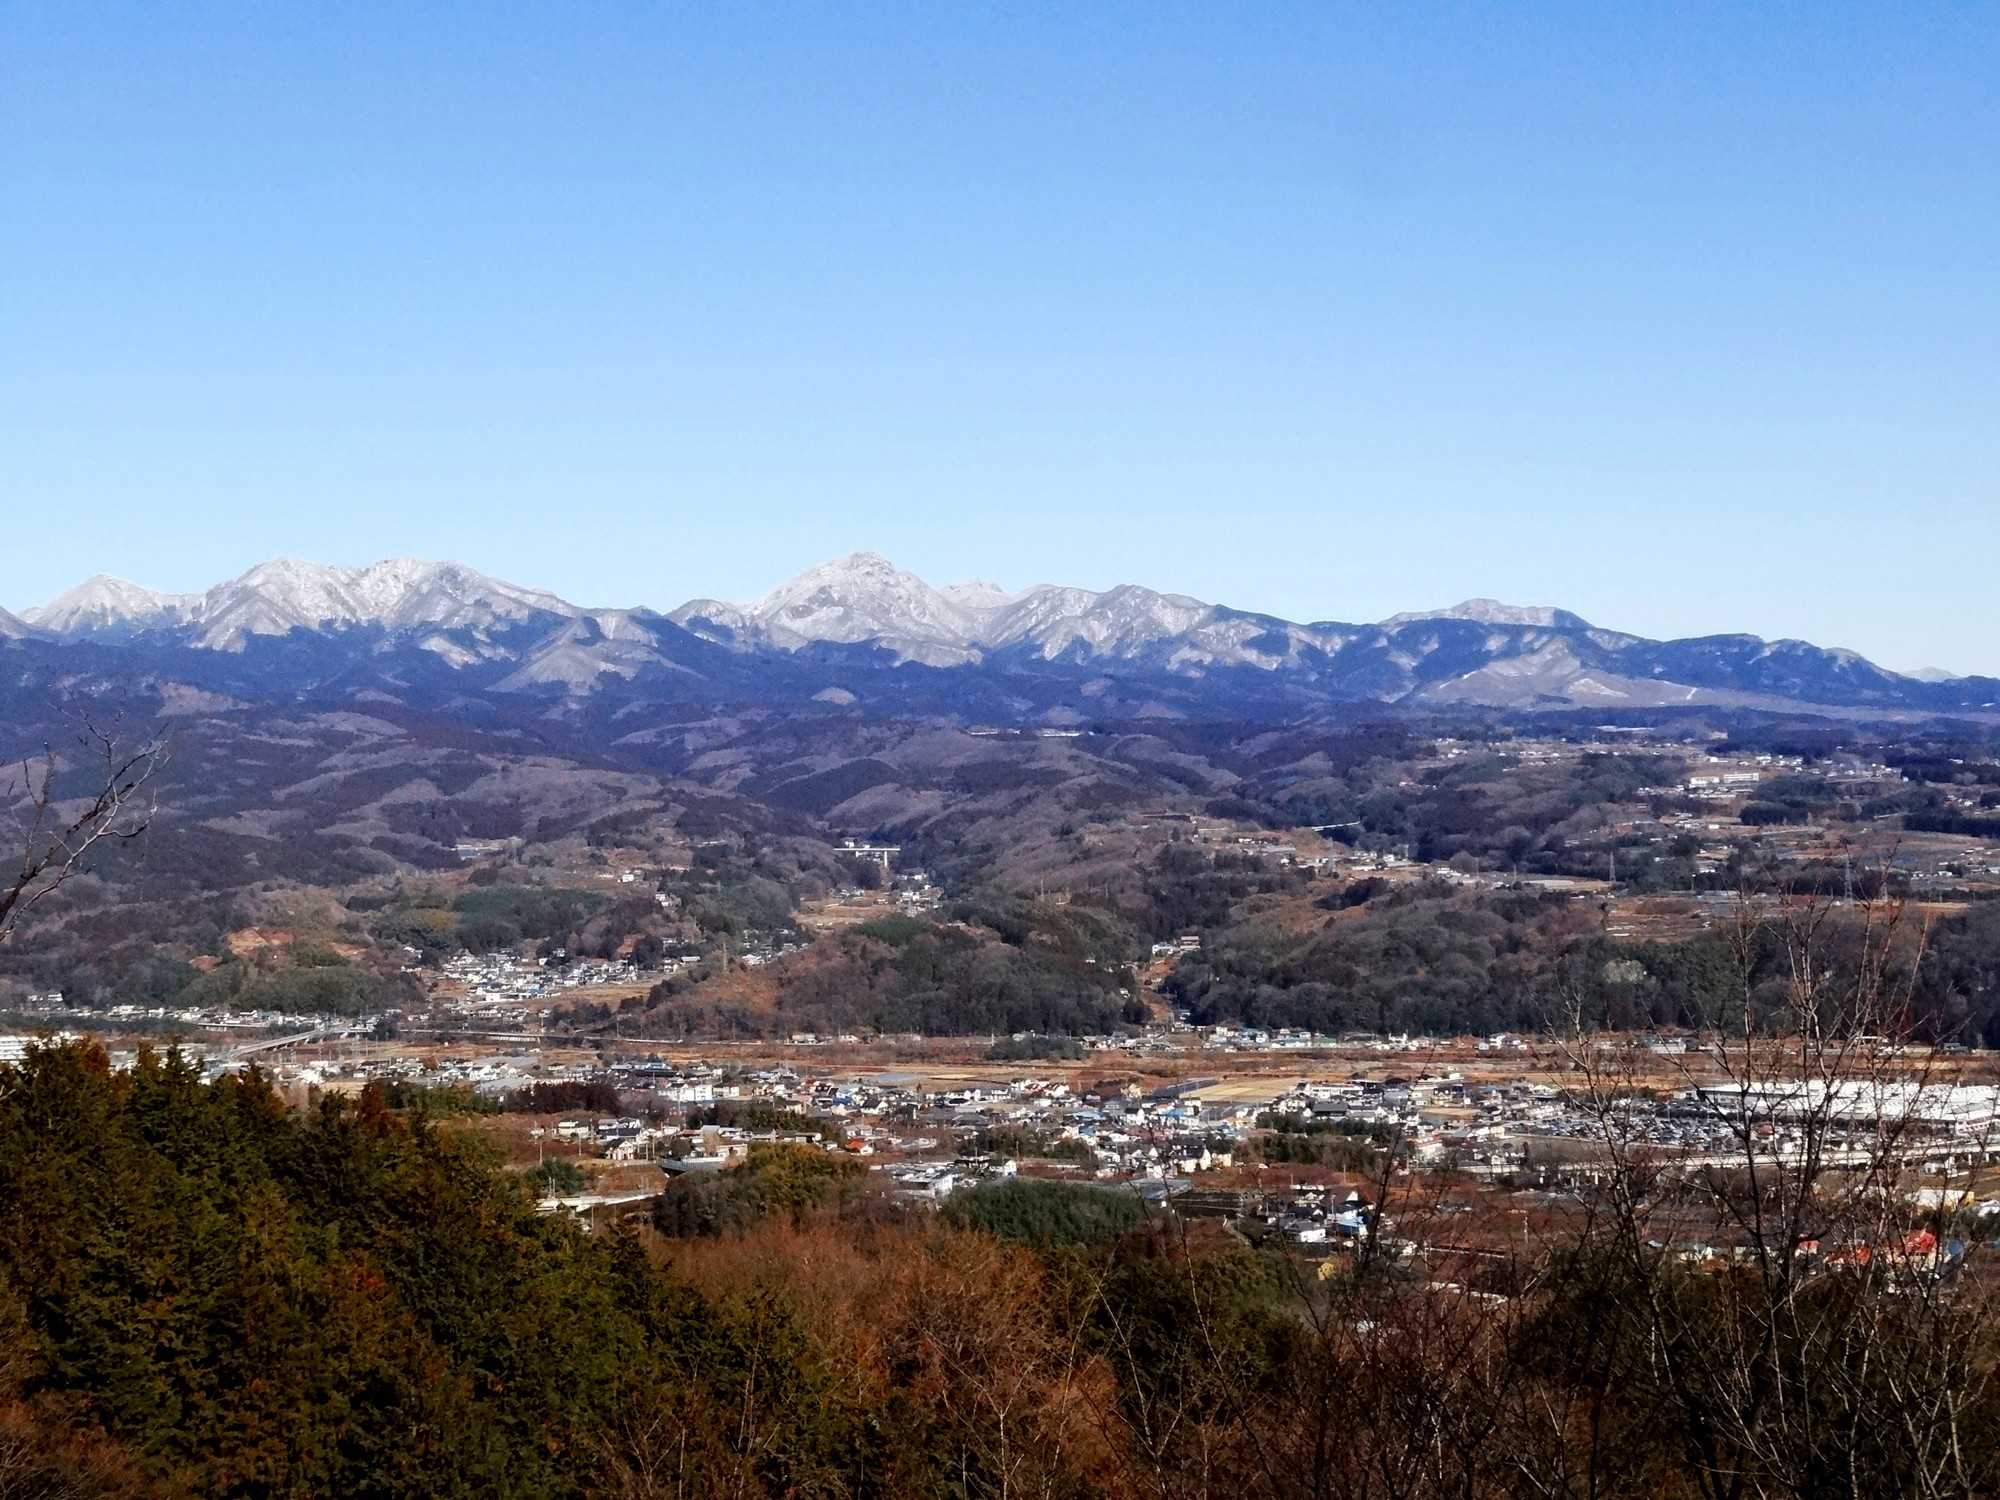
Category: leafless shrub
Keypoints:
(1777, 1294)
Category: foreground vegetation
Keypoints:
(204, 1292)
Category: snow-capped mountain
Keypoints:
(1479, 651)
(866, 598)
(399, 594)
(276, 598)
(1493, 612)
(1120, 622)
(107, 606)
(1040, 650)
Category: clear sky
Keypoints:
(1686, 318)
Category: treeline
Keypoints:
(1957, 994)
(1345, 1144)
(1047, 1214)
(302, 978)
(595, 1096)
(1035, 1049)
(1939, 821)
(1019, 1141)
(1442, 961)
(592, 1095)
(774, 1181)
(187, 962)
(1489, 809)
(340, 989)
(485, 919)
(1418, 958)
(1969, 769)
(155, 953)
(1075, 930)
(1947, 973)
(1189, 888)
(899, 977)
(757, 1115)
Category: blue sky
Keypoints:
(1685, 318)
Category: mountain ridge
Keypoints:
(285, 594)
(858, 615)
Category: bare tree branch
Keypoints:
(117, 802)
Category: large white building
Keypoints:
(1968, 1109)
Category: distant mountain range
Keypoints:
(860, 628)
(276, 598)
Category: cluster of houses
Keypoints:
(1182, 1037)
(929, 1139)
(52, 1010)
(916, 896)
(758, 949)
(503, 978)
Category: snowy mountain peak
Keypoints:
(857, 576)
(978, 596)
(1122, 621)
(104, 605)
(864, 597)
(286, 594)
(1493, 612)
(401, 593)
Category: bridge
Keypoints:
(296, 1039)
